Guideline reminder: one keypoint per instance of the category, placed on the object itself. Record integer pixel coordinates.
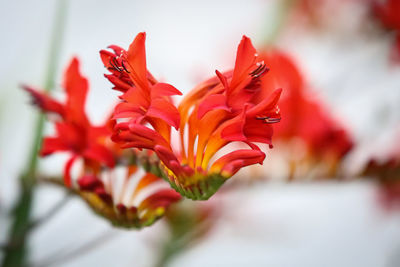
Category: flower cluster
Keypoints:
(143, 197)
(217, 112)
(126, 160)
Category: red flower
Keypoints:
(304, 117)
(388, 12)
(74, 132)
(217, 112)
(144, 99)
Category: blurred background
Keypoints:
(346, 57)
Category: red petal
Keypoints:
(164, 89)
(223, 79)
(229, 164)
(76, 87)
(266, 105)
(211, 102)
(258, 131)
(100, 154)
(127, 110)
(169, 159)
(234, 128)
(136, 57)
(119, 84)
(46, 103)
(51, 145)
(164, 110)
(117, 49)
(139, 132)
(137, 97)
(106, 57)
(245, 58)
(89, 183)
(67, 170)
(162, 198)
(72, 135)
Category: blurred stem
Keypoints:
(169, 250)
(53, 62)
(50, 214)
(16, 247)
(278, 22)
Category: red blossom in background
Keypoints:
(304, 117)
(217, 112)
(74, 132)
(388, 12)
(386, 172)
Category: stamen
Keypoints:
(113, 65)
(120, 67)
(268, 119)
(260, 70)
(123, 66)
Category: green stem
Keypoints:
(16, 247)
(53, 62)
(278, 22)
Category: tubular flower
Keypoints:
(214, 114)
(143, 198)
(305, 118)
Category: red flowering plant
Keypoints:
(110, 180)
(388, 13)
(217, 112)
(386, 171)
(305, 119)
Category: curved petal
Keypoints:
(76, 87)
(164, 89)
(136, 57)
(164, 110)
(258, 131)
(127, 110)
(231, 163)
(141, 131)
(212, 102)
(161, 198)
(233, 130)
(45, 102)
(118, 83)
(266, 105)
(245, 59)
(67, 170)
(51, 145)
(169, 159)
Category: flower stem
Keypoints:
(16, 247)
(279, 20)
